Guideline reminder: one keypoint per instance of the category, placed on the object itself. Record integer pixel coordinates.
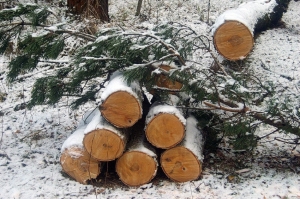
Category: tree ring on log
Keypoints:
(165, 130)
(180, 164)
(79, 164)
(136, 168)
(121, 109)
(103, 144)
(233, 40)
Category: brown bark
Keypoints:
(90, 8)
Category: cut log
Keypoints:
(104, 141)
(121, 104)
(138, 165)
(76, 161)
(165, 126)
(184, 162)
(233, 30)
(164, 82)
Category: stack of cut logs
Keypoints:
(127, 129)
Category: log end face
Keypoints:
(180, 164)
(121, 109)
(104, 145)
(136, 168)
(79, 165)
(233, 40)
(165, 131)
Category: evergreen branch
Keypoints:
(167, 46)
(102, 59)
(229, 109)
(74, 33)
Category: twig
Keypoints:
(229, 109)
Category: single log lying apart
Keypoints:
(233, 30)
(165, 126)
(76, 161)
(104, 141)
(138, 165)
(121, 103)
(184, 162)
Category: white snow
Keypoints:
(246, 13)
(193, 139)
(31, 140)
(164, 108)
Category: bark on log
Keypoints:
(233, 30)
(121, 104)
(76, 161)
(138, 165)
(165, 126)
(184, 162)
(103, 141)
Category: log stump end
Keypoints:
(103, 144)
(121, 109)
(233, 40)
(180, 164)
(136, 168)
(79, 165)
(165, 130)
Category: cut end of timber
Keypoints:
(136, 168)
(165, 131)
(79, 164)
(165, 82)
(233, 40)
(104, 145)
(180, 164)
(121, 109)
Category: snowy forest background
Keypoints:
(31, 138)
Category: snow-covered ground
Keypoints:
(31, 139)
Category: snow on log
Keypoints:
(104, 141)
(76, 161)
(165, 126)
(138, 165)
(121, 103)
(233, 30)
(164, 82)
(184, 162)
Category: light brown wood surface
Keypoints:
(180, 164)
(121, 109)
(136, 168)
(233, 40)
(165, 130)
(79, 164)
(104, 145)
(165, 82)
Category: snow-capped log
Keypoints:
(164, 82)
(102, 140)
(184, 162)
(233, 31)
(138, 165)
(165, 125)
(76, 161)
(121, 104)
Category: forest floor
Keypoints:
(31, 139)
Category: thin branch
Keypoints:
(229, 109)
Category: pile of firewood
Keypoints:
(127, 129)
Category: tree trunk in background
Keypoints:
(233, 31)
(138, 9)
(90, 8)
